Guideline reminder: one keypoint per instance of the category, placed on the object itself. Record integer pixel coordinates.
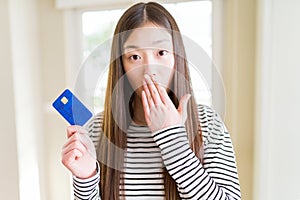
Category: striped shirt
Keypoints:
(147, 153)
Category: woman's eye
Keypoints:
(162, 52)
(134, 57)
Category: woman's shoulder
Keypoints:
(94, 128)
(211, 124)
(95, 124)
(208, 116)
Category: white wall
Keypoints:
(9, 184)
(24, 32)
(277, 160)
(238, 31)
(53, 75)
(32, 74)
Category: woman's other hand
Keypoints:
(159, 109)
(78, 153)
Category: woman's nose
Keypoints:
(150, 65)
(150, 69)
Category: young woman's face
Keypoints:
(148, 50)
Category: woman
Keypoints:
(152, 140)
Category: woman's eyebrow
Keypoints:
(131, 46)
(160, 41)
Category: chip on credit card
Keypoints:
(72, 109)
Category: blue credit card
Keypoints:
(72, 109)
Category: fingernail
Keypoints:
(154, 79)
(147, 76)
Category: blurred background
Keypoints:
(254, 44)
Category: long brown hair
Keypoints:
(134, 17)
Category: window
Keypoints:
(194, 19)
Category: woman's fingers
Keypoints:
(70, 157)
(74, 129)
(72, 144)
(148, 95)
(153, 90)
(71, 139)
(164, 96)
(71, 130)
(158, 92)
(160, 112)
(146, 107)
(78, 153)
